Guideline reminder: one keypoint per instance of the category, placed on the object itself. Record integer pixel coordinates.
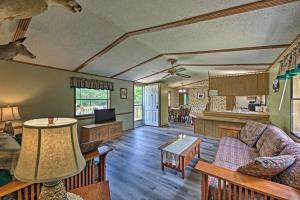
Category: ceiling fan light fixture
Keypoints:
(182, 90)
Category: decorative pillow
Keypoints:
(251, 132)
(291, 176)
(272, 141)
(5, 177)
(267, 167)
(89, 146)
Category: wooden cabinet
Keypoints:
(263, 84)
(241, 85)
(101, 132)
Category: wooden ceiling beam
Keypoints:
(285, 51)
(203, 52)
(21, 29)
(203, 65)
(200, 18)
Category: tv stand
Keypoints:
(101, 132)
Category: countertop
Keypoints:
(230, 116)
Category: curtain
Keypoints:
(91, 84)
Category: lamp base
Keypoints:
(8, 128)
(53, 191)
(56, 191)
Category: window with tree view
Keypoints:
(295, 105)
(138, 102)
(87, 100)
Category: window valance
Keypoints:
(91, 84)
(290, 65)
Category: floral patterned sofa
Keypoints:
(260, 150)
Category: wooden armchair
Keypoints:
(88, 176)
(235, 185)
(240, 186)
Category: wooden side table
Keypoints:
(97, 191)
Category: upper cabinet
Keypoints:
(241, 85)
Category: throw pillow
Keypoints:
(89, 146)
(5, 177)
(272, 141)
(251, 132)
(291, 176)
(267, 167)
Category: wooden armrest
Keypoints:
(229, 131)
(12, 187)
(230, 128)
(252, 183)
(104, 150)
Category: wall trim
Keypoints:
(66, 70)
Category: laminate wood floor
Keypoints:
(133, 167)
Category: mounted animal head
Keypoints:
(22, 9)
(12, 49)
(70, 4)
(21, 48)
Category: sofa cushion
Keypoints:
(233, 151)
(251, 132)
(272, 141)
(291, 176)
(267, 167)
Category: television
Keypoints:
(105, 115)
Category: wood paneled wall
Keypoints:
(241, 85)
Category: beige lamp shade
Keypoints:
(9, 114)
(49, 152)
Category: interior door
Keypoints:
(151, 103)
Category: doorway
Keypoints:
(151, 105)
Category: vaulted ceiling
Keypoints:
(133, 39)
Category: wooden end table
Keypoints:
(97, 191)
(184, 158)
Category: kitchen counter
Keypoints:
(208, 123)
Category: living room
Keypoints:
(149, 99)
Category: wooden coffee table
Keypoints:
(187, 151)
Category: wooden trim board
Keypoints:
(203, 65)
(200, 18)
(21, 29)
(203, 52)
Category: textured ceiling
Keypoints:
(62, 39)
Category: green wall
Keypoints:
(279, 118)
(42, 92)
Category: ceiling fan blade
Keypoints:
(166, 76)
(183, 75)
(180, 69)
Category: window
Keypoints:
(295, 106)
(87, 100)
(185, 99)
(138, 103)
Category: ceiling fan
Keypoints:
(175, 72)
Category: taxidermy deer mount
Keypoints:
(12, 49)
(22, 9)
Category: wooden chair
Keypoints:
(86, 177)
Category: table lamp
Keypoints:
(50, 152)
(7, 115)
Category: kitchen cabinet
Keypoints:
(241, 85)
